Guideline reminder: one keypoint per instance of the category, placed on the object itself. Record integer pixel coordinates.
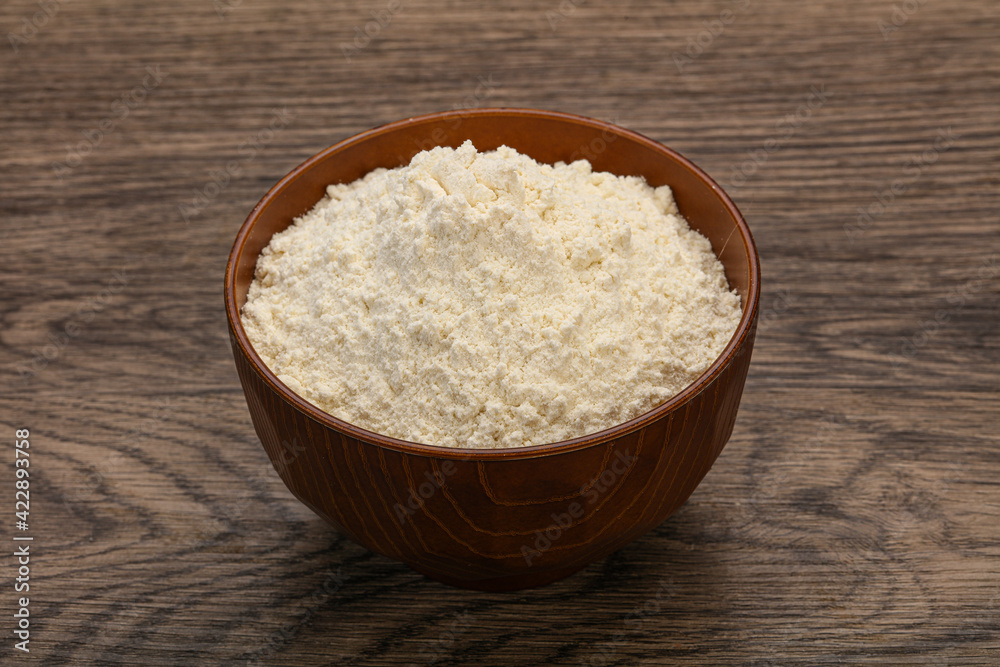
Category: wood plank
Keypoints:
(851, 519)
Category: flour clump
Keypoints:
(485, 300)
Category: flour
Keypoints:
(484, 300)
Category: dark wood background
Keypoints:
(854, 516)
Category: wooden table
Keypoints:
(854, 516)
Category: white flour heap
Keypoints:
(484, 300)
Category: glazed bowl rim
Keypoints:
(238, 334)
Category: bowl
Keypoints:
(499, 519)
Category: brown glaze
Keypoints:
(482, 515)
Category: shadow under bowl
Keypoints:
(502, 519)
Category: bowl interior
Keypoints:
(545, 136)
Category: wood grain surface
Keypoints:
(854, 517)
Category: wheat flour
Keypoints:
(484, 300)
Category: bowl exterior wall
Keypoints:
(497, 524)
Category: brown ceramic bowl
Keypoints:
(501, 519)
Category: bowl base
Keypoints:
(516, 582)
